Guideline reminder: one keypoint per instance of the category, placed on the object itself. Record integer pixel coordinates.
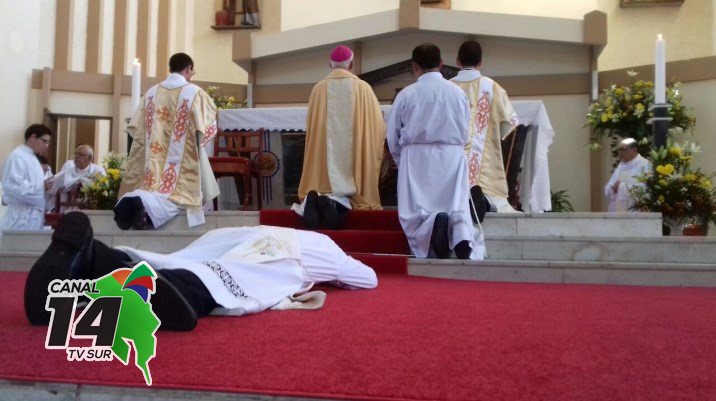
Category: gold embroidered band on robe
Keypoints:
(492, 118)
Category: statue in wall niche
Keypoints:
(250, 12)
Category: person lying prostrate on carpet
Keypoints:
(228, 271)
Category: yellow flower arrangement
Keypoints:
(678, 191)
(101, 193)
(224, 102)
(622, 111)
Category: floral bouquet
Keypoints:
(224, 102)
(101, 193)
(623, 112)
(682, 194)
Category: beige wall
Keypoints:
(499, 58)
(211, 50)
(302, 13)
(689, 32)
(542, 8)
(701, 97)
(20, 36)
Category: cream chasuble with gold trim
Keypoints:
(345, 133)
(170, 128)
(492, 118)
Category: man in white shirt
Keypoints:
(427, 133)
(76, 172)
(228, 271)
(631, 165)
(23, 182)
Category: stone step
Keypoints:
(602, 249)
(529, 224)
(569, 272)
(518, 271)
(103, 220)
(499, 247)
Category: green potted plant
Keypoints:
(560, 201)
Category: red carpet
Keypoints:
(355, 219)
(422, 339)
(366, 231)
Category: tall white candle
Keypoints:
(660, 70)
(595, 85)
(136, 84)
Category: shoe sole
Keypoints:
(72, 233)
(478, 200)
(331, 218)
(172, 308)
(461, 252)
(310, 211)
(439, 239)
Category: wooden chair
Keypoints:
(71, 202)
(513, 148)
(236, 155)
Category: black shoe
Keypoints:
(72, 235)
(439, 239)
(463, 250)
(311, 218)
(172, 308)
(330, 218)
(130, 213)
(479, 204)
(142, 221)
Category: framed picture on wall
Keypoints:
(650, 3)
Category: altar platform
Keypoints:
(285, 138)
(590, 248)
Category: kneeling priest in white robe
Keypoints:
(427, 133)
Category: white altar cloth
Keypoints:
(534, 182)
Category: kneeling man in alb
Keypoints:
(427, 133)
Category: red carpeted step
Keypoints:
(395, 264)
(390, 242)
(386, 220)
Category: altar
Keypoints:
(285, 138)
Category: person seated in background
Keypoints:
(76, 172)
(227, 271)
(23, 182)
(631, 165)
